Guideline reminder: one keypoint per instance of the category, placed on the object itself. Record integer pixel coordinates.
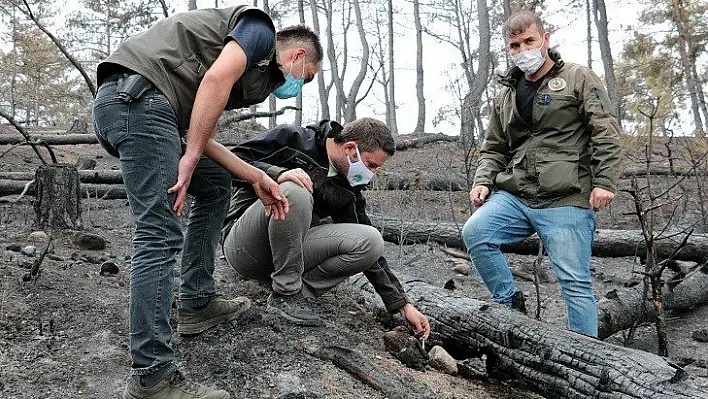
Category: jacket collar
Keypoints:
(512, 76)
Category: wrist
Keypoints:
(255, 176)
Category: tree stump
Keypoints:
(57, 197)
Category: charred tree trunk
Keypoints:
(57, 200)
(623, 309)
(100, 191)
(607, 243)
(559, 363)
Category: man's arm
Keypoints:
(212, 95)
(601, 121)
(494, 153)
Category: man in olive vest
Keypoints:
(159, 98)
(552, 153)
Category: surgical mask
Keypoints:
(292, 87)
(529, 61)
(358, 174)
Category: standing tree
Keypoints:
(420, 76)
(191, 5)
(298, 100)
(322, 88)
(391, 104)
(600, 14)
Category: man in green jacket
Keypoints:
(552, 154)
(159, 98)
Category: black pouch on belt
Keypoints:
(131, 86)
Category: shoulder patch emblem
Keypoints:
(556, 84)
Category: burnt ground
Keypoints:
(66, 334)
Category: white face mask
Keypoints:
(529, 61)
(358, 174)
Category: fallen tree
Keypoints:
(556, 362)
(102, 191)
(607, 243)
(73, 139)
(624, 308)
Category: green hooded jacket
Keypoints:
(176, 52)
(571, 146)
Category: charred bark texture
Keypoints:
(57, 200)
(607, 243)
(622, 309)
(559, 363)
(101, 191)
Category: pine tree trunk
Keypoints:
(57, 197)
(420, 125)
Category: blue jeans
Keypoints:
(567, 235)
(141, 129)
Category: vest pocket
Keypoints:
(558, 172)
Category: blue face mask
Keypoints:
(292, 87)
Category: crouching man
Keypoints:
(321, 169)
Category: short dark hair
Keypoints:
(519, 21)
(369, 134)
(302, 34)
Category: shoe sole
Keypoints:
(198, 328)
(295, 320)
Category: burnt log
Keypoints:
(100, 176)
(417, 180)
(418, 140)
(72, 139)
(557, 362)
(624, 308)
(607, 243)
(102, 191)
(57, 202)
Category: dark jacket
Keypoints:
(176, 52)
(571, 146)
(290, 147)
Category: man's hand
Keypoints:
(184, 176)
(478, 195)
(268, 191)
(417, 320)
(600, 198)
(297, 176)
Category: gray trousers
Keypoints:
(294, 256)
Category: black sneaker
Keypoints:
(518, 302)
(294, 309)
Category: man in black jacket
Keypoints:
(321, 169)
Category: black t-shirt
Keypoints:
(525, 94)
(255, 36)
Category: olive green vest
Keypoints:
(175, 53)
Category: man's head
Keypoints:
(525, 35)
(299, 52)
(367, 137)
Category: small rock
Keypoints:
(14, 247)
(38, 237)
(75, 256)
(115, 167)
(441, 360)
(29, 250)
(462, 269)
(88, 241)
(26, 264)
(701, 335)
(109, 269)
(93, 259)
(127, 258)
(55, 257)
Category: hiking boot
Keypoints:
(294, 309)
(518, 302)
(217, 311)
(176, 386)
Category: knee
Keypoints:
(473, 233)
(369, 245)
(298, 197)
